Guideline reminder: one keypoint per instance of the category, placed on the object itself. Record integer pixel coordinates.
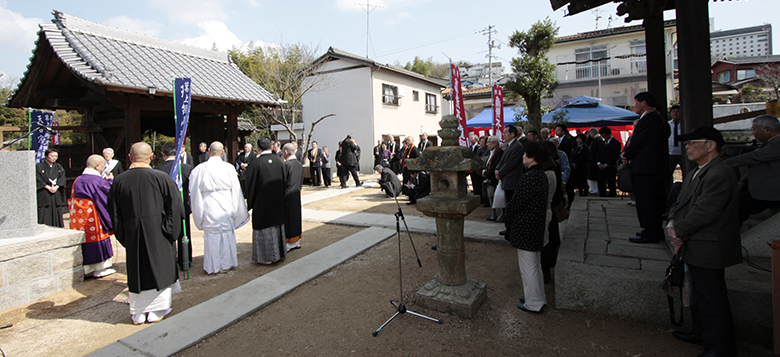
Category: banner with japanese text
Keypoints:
(40, 138)
(459, 108)
(498, 112)
(181, 102)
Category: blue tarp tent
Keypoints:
(584, 114)
(583, 98)
(485, 118)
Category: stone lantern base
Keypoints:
(462, 300)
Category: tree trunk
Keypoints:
(533, 106)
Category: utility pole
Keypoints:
(489, 31)
(367, 8)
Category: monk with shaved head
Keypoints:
(147, 211)
(89, 213)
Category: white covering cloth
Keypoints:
(153, 300)
(218, 208)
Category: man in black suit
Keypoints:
(169, 154)
(349, 161)
(608, 159)
(419, 186)
(649, 156)
(388, 181)
(315, 164)
(489, 174)
(704, 223)
(242, 162)
(203, 156)
(510, 167)
(424, 142)
(566, 140)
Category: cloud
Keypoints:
(214, 32)
(254, 3)
(146, 27)
(17, 33)
(191, 11)
(401, 18)
(393, 5)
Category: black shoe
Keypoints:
(486, 205)
(522, 299)
(641, 239)
(687, 337)
(522, 307)
(410, 203)
(491, 219)
(503, 233)
(433, 247)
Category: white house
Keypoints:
(609, 64)
(369, 100)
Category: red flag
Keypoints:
(498, 112)
(460, 110)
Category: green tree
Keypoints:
(424, 67)
(750, 94)
(534, 75)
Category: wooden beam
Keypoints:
(740, 116)
(232, 132)
(38, 76)
(656, 60)
(133, 120)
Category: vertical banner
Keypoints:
(56, 138)
(498, 112)
(40, 137)
(460, 110)
(181, 104)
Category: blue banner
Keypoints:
(182, 98)
(40, 138)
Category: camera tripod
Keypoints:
(401, 307)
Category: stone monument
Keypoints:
(450, 291)
(35, 260)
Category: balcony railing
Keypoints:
(432, 109)
(625, 65)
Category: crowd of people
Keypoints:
(529, 181)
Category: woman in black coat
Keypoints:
(50, 187)
(579, 168)
(526, 216)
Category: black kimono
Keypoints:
(49, 203)
(292, 201)
(147, 211)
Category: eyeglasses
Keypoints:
(689, 142)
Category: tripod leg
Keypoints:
(384, 324)
(425, 317)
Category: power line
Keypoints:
(412, 47)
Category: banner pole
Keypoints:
(185, 240)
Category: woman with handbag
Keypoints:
(526, 216)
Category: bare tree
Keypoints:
(769, 73)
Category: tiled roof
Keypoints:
(340, 54)
(113, 57)
(608, 32)
(478, 91)
(246, 125)
(751, 59)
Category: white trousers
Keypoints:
(533, 280)
(219, 251)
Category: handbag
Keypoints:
(560, 212)
(624, 179)
(675, 278)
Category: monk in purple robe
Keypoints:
(89, 213)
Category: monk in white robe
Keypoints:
(218, 209)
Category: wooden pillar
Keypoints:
(231, 141)
(693, 49)
(132, 130)
(656, 59)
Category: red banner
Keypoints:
(460, 110)
(498, 112)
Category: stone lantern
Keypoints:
(450, 291)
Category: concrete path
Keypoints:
(195, 324)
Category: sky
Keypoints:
(398, 30)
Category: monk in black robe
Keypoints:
(292, 198)
(50, 184)
(184, 248)
(265, 186)
(147, 210)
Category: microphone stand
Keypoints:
(401, 307)
(14, 141)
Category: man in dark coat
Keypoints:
(388, 181)
(292, 197)
(349, 161)
(419, 186)
(424, 142)
(395, 152)
(704, 223)
(203, 156)
(510, 168)
(649, 156)
(408, 151)
(184, 250)
(489, 174)
(566, 140)
(266, 181)
(596, 145)
(607, 163)
(50, 186)
(244, 159)
(315, 164)
(146, 210)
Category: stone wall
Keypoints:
(36, 267)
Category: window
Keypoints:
(745, 74)
(390, 95)
(430, 103)
(724, 77)
(639, 62)
(415, 96)
(586, 66)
